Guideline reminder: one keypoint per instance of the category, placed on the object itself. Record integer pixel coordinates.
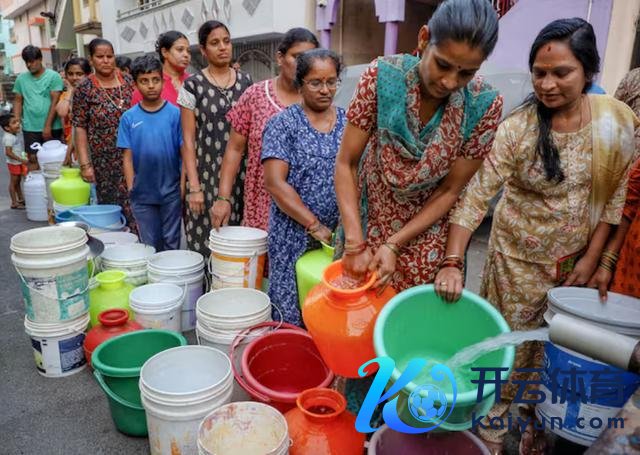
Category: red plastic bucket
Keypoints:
(279, 365)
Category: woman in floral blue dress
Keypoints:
(298, 153)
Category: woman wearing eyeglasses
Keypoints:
(298, 154)
(418, 129)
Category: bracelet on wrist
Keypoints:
(222, 198)
(393, 247)
(355, 250)
(86, 165)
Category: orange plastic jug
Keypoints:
(321, 425)
(341, 321)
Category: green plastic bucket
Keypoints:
(117, 363)
(418, 323)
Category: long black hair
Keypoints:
(295, 36)
(580, 37)
(474, 22)
(167, 39)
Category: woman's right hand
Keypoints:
(220, 213)
(87, 174)
(196, 202)
(357, 266)
(448, 284)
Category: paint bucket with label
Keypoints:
(186, 269)
(52, 266)
(57, 347)
(244, 427)
(179, 387)
(588, 392)
(238, 256)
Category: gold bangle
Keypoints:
(393, 247)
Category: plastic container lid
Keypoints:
(48, 240)
(238, 235)
(618, 311)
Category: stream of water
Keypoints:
(471, 353)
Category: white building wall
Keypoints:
(133, 29)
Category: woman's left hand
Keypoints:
(384, 264)
(582, 272)
(323, 234)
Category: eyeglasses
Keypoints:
(315, 85)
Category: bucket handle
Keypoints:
(123, 222)
(37, 291)
(236, 342)
(280, 322)
(111, 394)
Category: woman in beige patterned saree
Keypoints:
(562, 160)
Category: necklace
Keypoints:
(120, 105)
(222, 88)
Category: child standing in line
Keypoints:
(16, 162)
(151, 136)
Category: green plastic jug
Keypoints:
(309, 269)
(69, 189)
(112, 292)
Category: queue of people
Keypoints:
(400, 180)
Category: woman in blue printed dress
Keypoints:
(298, 153)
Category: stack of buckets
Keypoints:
(182, 268)
(223, 314)
(131, 259)
(51, 263)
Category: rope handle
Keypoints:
(236, 343)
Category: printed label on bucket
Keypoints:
(243, 272)
(57, 357)
(579, 390)
(39, 306)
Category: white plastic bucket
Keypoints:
(233, 309)
(110, 239)
(179, 387)
(244, 428)
(184, 268)
(620, 314)
(57, 347)
(157, 305)
(238, 256)
(52, 265)
(131, 259)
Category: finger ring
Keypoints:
(443, 283)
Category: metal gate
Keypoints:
(258, 58)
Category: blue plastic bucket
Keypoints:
(105, 217)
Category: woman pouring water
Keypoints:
(562, 160)
(426, 124)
